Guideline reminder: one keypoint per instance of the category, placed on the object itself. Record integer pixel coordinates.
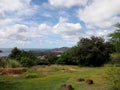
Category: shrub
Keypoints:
(9, 63)
(52, 58)
(27, 62)
(12, 63)
(42, 62)
(2, 63)
(26, 58)
(115, 58)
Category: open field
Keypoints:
(51, 77)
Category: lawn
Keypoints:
(52, 77)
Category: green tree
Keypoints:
(15, 53)
(27, 62)
(92, 51)
(64, 59)
(52, 58)
(26, 58)
(115, 37)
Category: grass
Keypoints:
(51, 77)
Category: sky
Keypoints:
(55, 23)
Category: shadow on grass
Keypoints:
(6, 85)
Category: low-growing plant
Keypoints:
(31, 75)
(27, 62)
(115, 58)
(42, 62)
(9, 63)
(113, 76)
(12, 63)
(2, 63)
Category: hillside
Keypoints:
(52, 77)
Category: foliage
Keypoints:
(12, 63)
(66, 59)
(92, 51)
(115, 37)
(52, 58)
(52, 79)
(31, 75)
(112, 74)
(115, 58)
(2, 63)
(26, 58)
(9, 63)
(15, 53)
(27, 62)
(42, 62)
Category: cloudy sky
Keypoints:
(55, 23)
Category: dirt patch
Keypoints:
(12, 71)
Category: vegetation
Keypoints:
(8, 63)
(26, 58)
(115, 38)
(52, 77)
(112, 74)
(92, 52)
(88, 52)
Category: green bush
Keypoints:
(27, 62)
(41, 62)
(2, 63)
(115, 58)
(26, 58)
(9, 63)
(12, 63)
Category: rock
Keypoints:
(69, 87)
(89, 82)
(66, 87)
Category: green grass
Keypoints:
(51, 77)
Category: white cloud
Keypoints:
(69, 31)
(13, 5)
(14, 33)
(20, 33)
(100, 13)
(16, 8)
(44, 28)
(67, 3)
(99, 33)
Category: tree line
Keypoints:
(93, 51)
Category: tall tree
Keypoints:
(92, 51)
(115, 37)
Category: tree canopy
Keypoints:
(26, 58)
(92, 51)
(115, 37)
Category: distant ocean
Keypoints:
(7, 51)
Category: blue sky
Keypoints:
(55, 23)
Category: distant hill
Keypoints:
(62, 49)
(47, 52)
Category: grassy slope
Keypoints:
(51, 77)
